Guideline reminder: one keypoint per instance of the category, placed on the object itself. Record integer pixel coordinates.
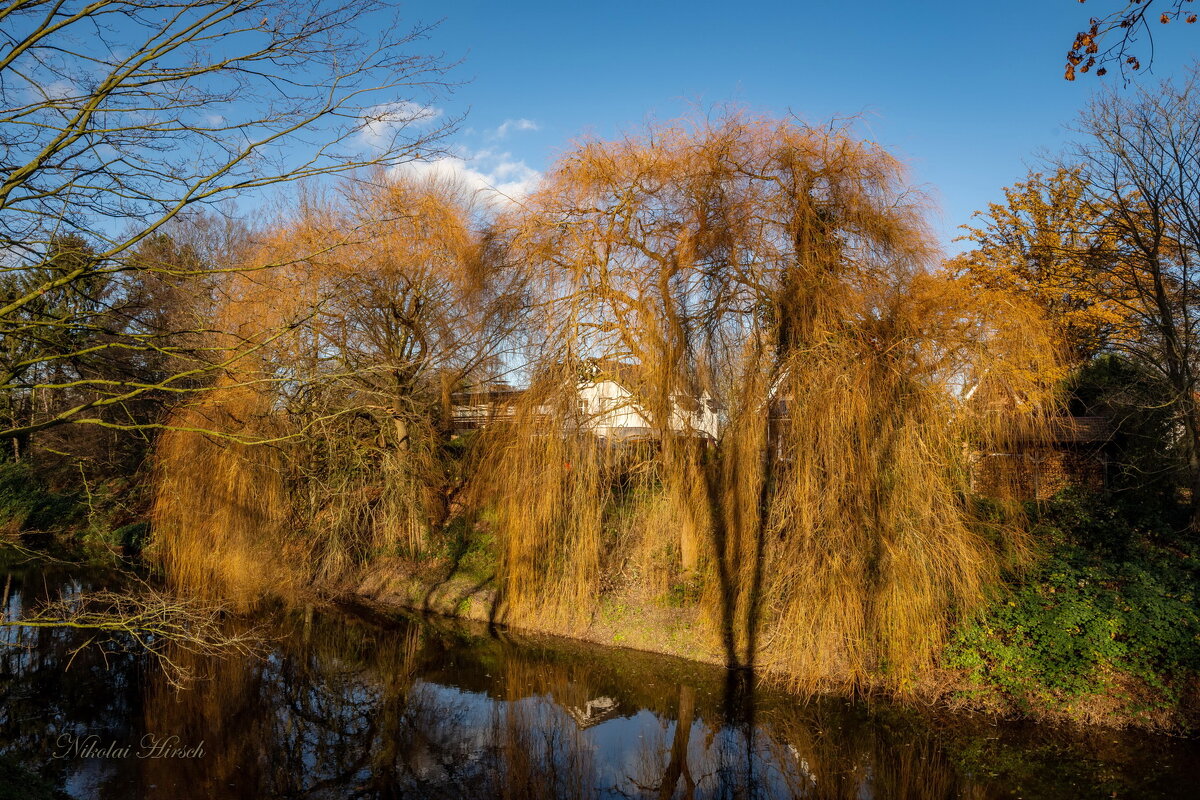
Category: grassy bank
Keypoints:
(630, 619)
(1103, 629)
(99, 516)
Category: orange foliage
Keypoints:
(1048, 242)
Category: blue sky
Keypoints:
(968, 94)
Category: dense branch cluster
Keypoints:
(123, 128)
(176, 631)
(1119, 32)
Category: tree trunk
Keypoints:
(1192, 425)
(412, 531)
(401, 425)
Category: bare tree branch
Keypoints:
(1121, 32)
(120, 121)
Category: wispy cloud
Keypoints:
(381, 123)
(54, 90)
(510, 125)
(494, 177)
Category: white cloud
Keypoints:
(53, 90)
(494, 177)
(510, 125)
(382, 122)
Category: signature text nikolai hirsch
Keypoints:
(150, 746)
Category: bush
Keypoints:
(1113, 599)
(26, 505)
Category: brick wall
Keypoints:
(1037, 473)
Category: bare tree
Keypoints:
(1110, 246)
(118, 118)
(1141, 161)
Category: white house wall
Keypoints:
(608, 410)
(606, 405)
(703, 420)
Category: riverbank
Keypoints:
(1103, 631)
(426, 707)
(439, 587)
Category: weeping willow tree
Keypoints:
(779, 278)
(323, 447)
(745, 378)
(221, 511)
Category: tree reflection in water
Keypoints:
(349, 708)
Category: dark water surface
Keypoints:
(349, 707)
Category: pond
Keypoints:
(351, 705)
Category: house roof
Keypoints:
(631, 376)
(628, 374)
(1080, 430)
(486, 394)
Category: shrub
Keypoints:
(27, 505)
(1113, 599)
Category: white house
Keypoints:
(608, 407)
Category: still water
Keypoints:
(352, 706)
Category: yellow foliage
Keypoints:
(315, 450)
(1047, 241)
(779, 270)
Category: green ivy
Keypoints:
(1114, 596)
(27, 505)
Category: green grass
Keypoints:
(95, 518)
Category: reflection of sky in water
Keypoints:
(631, 752)
(90, 776)
(619, 742)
